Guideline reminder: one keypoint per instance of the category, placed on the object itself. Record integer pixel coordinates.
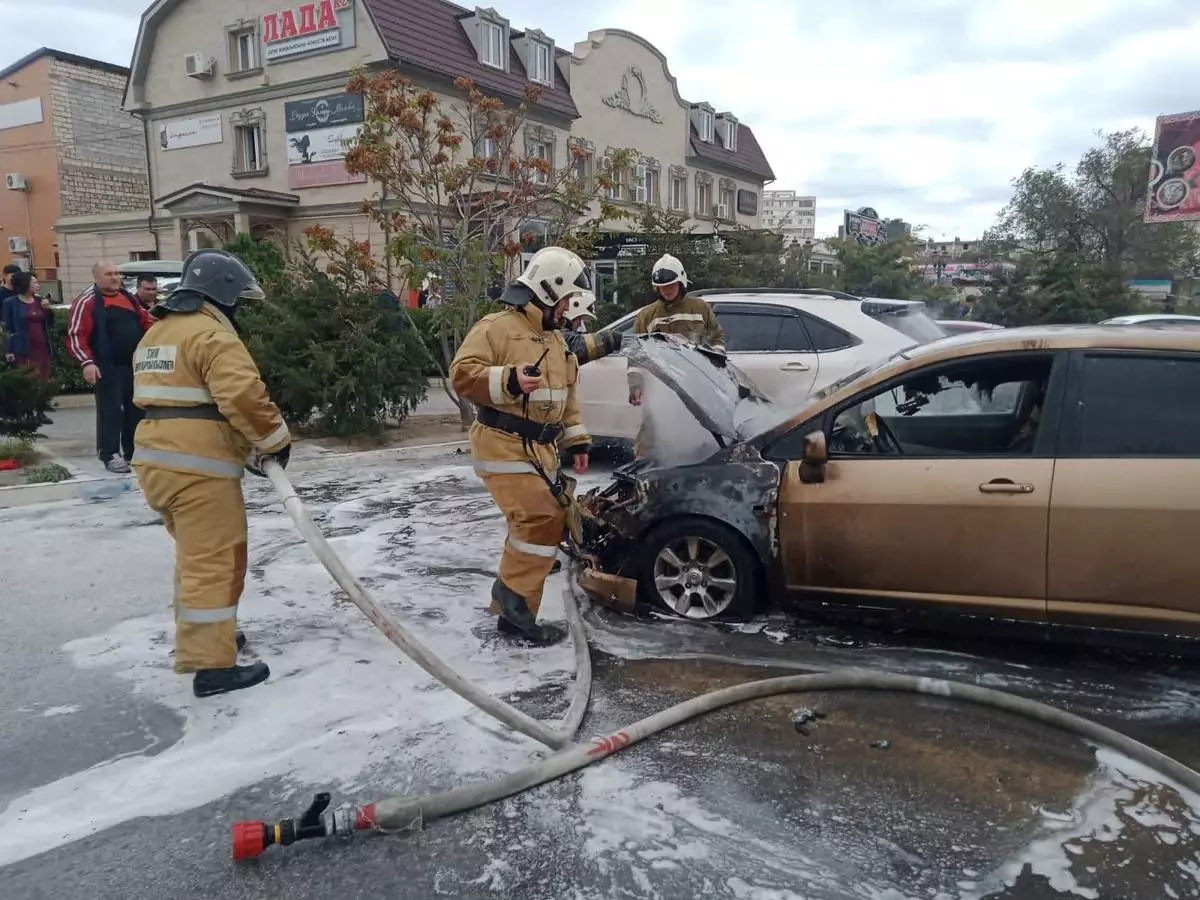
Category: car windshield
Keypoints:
(910, 319)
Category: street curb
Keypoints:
(75, 401)
(72, 489)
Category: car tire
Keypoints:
(729, 589)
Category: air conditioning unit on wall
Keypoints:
(198, 65)
(15, 181)
(18, 245)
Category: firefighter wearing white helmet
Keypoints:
(587, 347)
(672, 312)
(516, 367)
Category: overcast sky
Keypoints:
(923, 109)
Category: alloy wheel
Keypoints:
(695, 578)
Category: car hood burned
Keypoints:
(718, 395)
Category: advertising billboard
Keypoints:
(319, 132)
(1174, 185)
(864, 226)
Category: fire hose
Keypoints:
(410, 813)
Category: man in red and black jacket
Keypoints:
(106, 324)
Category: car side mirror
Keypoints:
(813, 458)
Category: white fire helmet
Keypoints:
(582, 304)
(668, 270)
(554, 273)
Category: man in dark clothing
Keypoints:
(6, 290)
(389, 303)
(106, 324)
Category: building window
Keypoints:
(678, 194)
(248, 145)
(638, 182)
(243, 50)
(541, 150)
(581, 165)
(540, 57)
(725, 207)
(491, 45)
(704, 198)
(613, 192)
(731, 133)
(487, 148)
(143, 256)
(706, 126)
(651, 186)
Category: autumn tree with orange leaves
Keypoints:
(456, 181)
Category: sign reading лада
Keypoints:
(318, 26)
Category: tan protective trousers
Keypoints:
(536, 524)
(206, 516)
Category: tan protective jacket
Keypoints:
(481, 372)
(689, 317)
(197, 359)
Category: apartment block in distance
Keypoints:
(68, 151)
(793, 216)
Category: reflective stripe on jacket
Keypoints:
(497, 346)
(197, 359)
(688, 317)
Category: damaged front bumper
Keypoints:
(736, 488)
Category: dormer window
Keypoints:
(491, 44)
(731, 134)
(541, 56)
(706, 126)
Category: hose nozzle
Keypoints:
(251, 838)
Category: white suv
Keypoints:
(790, 343)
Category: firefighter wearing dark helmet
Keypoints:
(516, 367)
(208, 418)
(672, 312)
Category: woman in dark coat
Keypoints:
(27, 321)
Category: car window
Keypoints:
(750, 332)
(974, 408)
(1140, 406)
(825, 337)
(793, 338)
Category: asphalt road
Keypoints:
(116, 783)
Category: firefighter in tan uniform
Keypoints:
(207, 418)
(516, 367)
(671, 312)
(587, 347)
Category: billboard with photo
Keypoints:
(1174, 185)
(319, 132)
(864, 226)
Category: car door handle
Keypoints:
(795, 367)
(1005, 486)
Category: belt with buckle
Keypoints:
(538, 432)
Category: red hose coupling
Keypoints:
(249, 839)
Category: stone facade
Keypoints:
(101, 150)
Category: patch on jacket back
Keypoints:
(155, 359)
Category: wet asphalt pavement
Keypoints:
(885, 798)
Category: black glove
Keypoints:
(255, 463)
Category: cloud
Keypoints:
(925, 110)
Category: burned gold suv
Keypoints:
(1043, 475)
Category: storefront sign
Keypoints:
(747, 203)
(318, 26)
(321, 144)
(319, 132)
(323, 112)
(178, 134)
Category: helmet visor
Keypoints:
(252, 291)
(584, 281)
(664, 276)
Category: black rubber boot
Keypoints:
(241, 641)
(208, 682)
(539, 635)
(516, 621)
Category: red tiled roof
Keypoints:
(748, 157)
(428, 34)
